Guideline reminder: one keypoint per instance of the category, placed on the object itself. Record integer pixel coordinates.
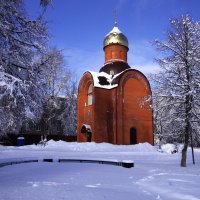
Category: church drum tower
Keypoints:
(114, 104)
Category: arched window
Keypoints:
(90, 94)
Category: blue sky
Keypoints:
(79, 27)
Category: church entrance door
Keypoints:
(133, 136)
(89, 136)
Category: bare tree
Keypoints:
(177, 84)
(45, 3)
(55, 71)
(61, 86)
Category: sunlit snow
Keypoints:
(156, 175)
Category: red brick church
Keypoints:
(114, 104)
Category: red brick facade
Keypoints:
(118, 108)
(115, 52)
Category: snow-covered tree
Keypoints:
(45, 3)
(60, 112)
(61, 86)
(177, 85)
(22, 87)
(55, 73)
(69, 116)
(32, 75)
(20, 38)
(18, 103)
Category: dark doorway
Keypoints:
(133, 136)
(89, 136)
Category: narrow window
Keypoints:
(90, 95)
(88, 116)
(112, 54)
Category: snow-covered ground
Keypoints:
(156, 175)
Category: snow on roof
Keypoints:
(96, 78)
(109, 78)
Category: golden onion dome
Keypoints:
(115, 37)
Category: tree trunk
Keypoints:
(184, 156)
(187, 130)
(188, 99)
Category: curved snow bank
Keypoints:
(172, 148)
(98, 147)
(168, 148)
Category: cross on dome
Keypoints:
(115, 17)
